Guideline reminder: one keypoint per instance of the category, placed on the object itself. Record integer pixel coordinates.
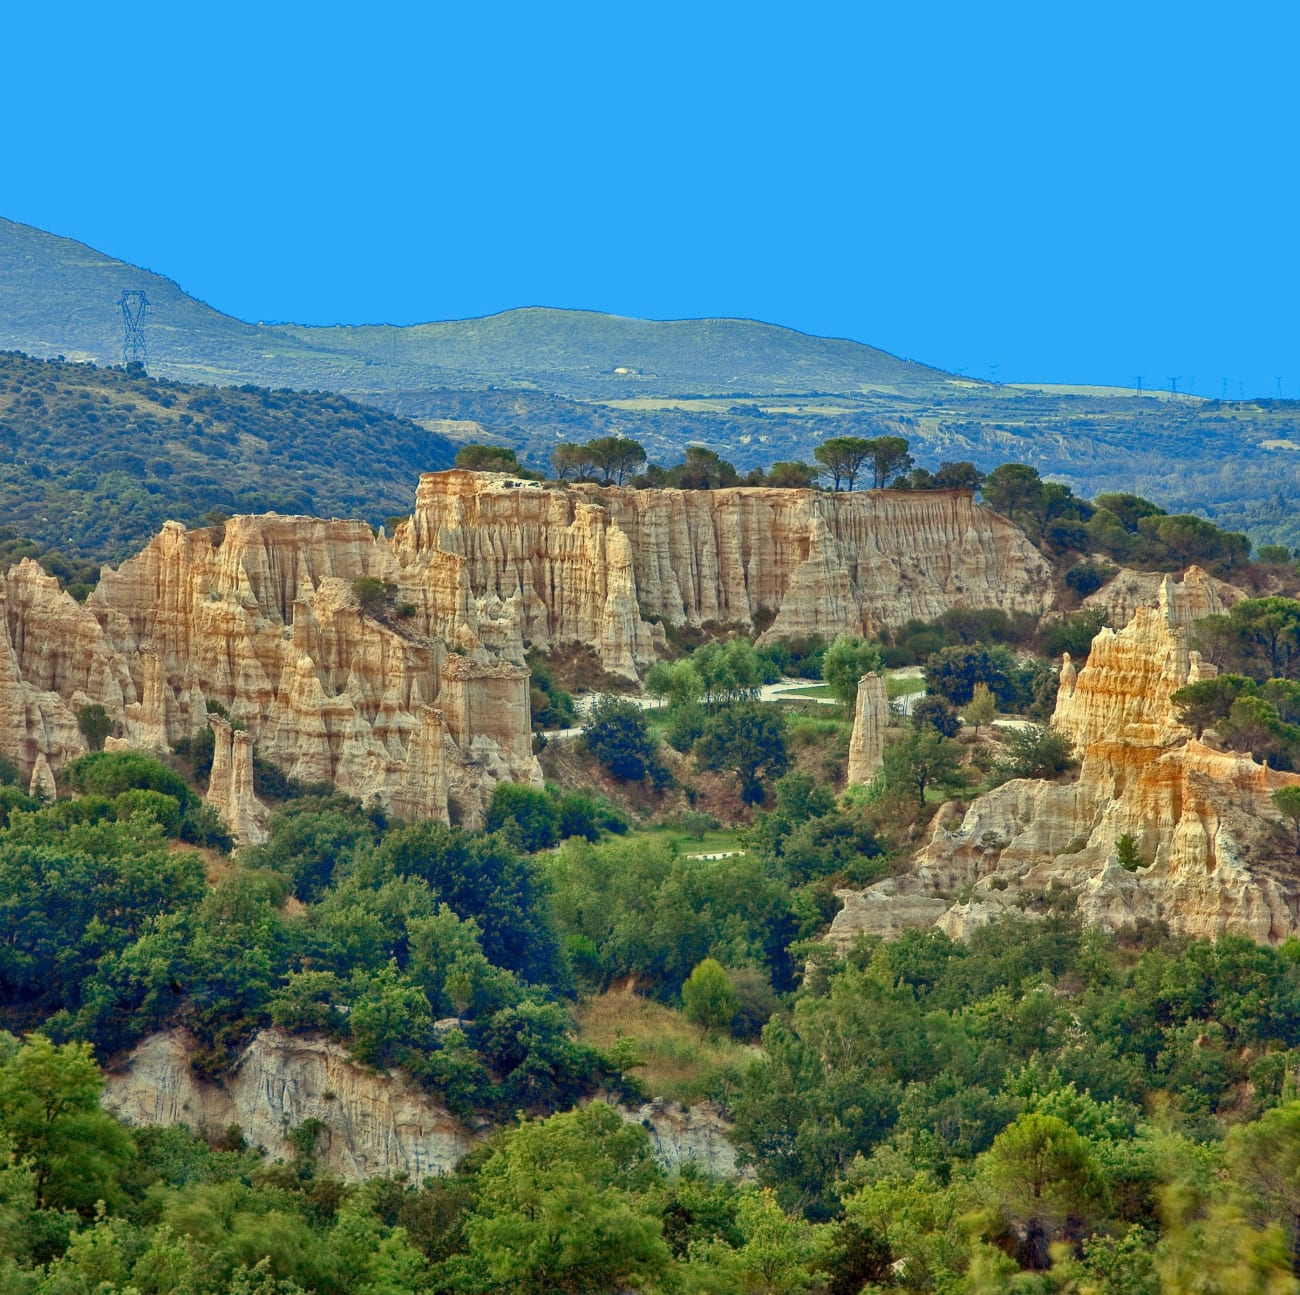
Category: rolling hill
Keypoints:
(95, 460)
(755, 392)
(59, 297)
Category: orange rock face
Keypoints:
(1201, 820)
(425, 706)
(260, 616)
(520, 563)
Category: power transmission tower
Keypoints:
(1140, 376)
(1225, 390)
(1173, 386)
(134, 306)
(1278, 380)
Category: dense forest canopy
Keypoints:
(1039, 1108)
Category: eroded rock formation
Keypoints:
(1128, 590)
(230, 785)
(1201, 819)
(260, 616)
(424, 705)
(370, 1122)
(870, 719)
(520, 563)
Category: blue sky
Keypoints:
(1067, 192)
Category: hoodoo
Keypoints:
(422, 702)
(1200, 818)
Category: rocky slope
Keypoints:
(1201, 818)
(370, 1122)
(425, 706)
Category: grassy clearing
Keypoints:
(822, 725)
(677, 1061)
(903, 686)
(812, 690)
(718, 841)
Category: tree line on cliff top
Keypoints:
(1122, 527)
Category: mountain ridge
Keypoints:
(44, 312)
(755, 392)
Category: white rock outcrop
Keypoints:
(371, 1123)
(1202, 819)
(870, 720)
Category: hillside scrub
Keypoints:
(100, 458)
(1038, 1103)
(1020, 1103)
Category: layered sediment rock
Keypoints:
(870, 719)
(260, 616)
(425, 705)
(521, 563)
(369, 1123)
(1201, 819)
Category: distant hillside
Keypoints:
(754, 392)
(95, 460)
(59, 297)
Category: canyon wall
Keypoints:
(1213, 859)
(423, 703)
(521, 563)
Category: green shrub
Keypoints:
(165, 810)
(95, 724)
(708, 998)
(109, 773)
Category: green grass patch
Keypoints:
(808, 727)
(813, 690)
(677, 1061)
(716, 841)
(904, 686)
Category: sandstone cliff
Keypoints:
(1202, 819)
(371, 1123)
(427, 709)
(519, 563)
(259, 615)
